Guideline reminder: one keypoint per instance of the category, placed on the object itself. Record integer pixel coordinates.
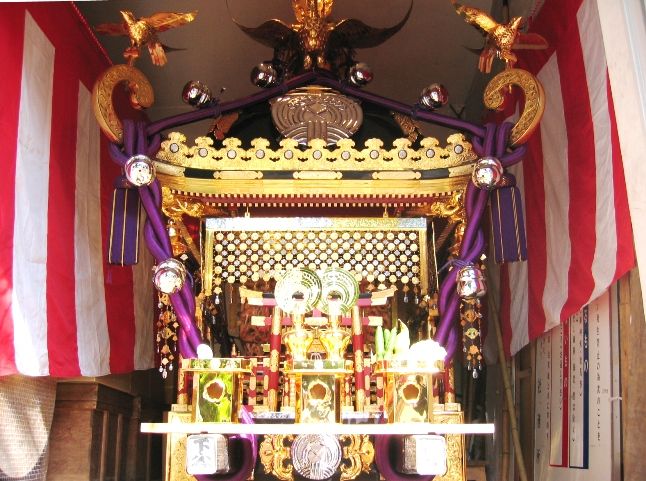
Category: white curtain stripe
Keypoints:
(557, 194)
(604, 265)
(91, 318)
(29, 302)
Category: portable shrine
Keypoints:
(319, 214)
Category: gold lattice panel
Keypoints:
(382, 251)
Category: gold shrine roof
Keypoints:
(343, 170)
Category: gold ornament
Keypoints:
(317, 38)
(501, 38)
(494, 98)
(358, 455)
(316, 112)
(143, 32)
(232, 157)
(166, 338)
(141, 96)
(275, 456)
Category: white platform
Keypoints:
(371, 429)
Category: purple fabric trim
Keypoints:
(325, 80)
(124, 229)
(507, 225)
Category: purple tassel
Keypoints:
(123, 243)
(507, 224)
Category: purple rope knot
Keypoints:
(457, 262)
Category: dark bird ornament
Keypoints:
(317, 41)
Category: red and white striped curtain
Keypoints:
(579, 234)
(63, 310)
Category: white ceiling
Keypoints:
(429, 48)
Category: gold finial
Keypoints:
(304, 9)
(143, 32)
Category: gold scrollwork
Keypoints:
(275, 456)
(494, 99)
(358, 455)
(456, 469)
(141, 96)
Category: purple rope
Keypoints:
(155, 218)
(136, 141)
(319, 78)
(478, 148)
(452, 344)
(501, 139)
(494, 142)
(183, 312)
(184, 347)
(154, 247)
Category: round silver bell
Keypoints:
(434, 96)
(139, 170)
(487, 173)
(360, 74)
(265, 75)
(196, 94)
(471, 282)
(169, 276)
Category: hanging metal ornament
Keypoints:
(169, 276)
(139, 170)
(470, 319)
(488, 173)
(197, 94)
(471, 282)
(434, 96)
(360, 74)
(266, 75)
(166, 338)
